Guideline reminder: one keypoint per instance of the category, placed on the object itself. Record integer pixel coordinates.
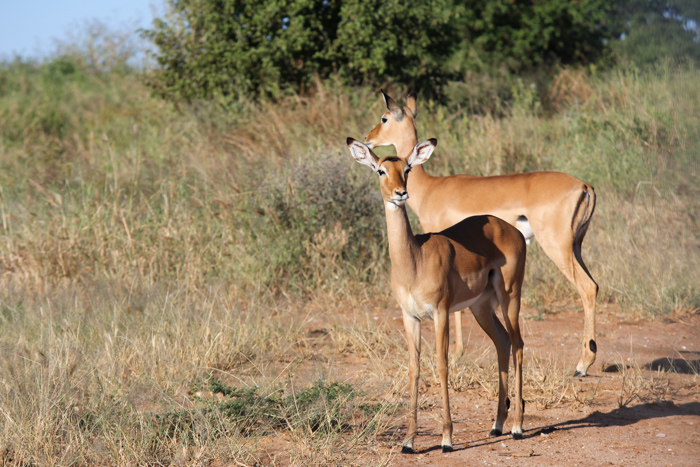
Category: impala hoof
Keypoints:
(495, 432)
(407, 450)
(517, 436)
(579, 374)
(447, 449)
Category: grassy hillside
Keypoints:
(146, 250)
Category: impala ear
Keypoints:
(411, 103)
(363, 154)
(392, 106)
(422, 152)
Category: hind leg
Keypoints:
(588, 289)
(509, 299)
(483, 311)
(567, 256)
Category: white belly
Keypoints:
(523, 225)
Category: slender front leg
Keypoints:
(412, 327)
(442, 345)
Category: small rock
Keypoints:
(660, 435)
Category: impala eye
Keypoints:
(381, 172)
(384, 120)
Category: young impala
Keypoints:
(551, 206)
(477, 263)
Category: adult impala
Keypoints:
(553, 207)
(477, 263)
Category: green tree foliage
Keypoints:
(661, 30)
(231, 47)
(525, 33)
(208, 48)
(392, 39)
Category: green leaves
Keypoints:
(231, 48)
(661, 30)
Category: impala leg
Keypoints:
(483, 312)
(442, 345)
(570, 263)
(459, 338)
(412, 327)
(510, 306)
(517, 430)
(588, 289)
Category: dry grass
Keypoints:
(147, 252)
(94, 382)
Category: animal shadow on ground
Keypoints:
(675, 365)
(619, 417)
(457, 446)
(622, 417)
(684, 366)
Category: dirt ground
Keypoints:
(639, 406)
(660, 426)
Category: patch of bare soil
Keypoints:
(640, 404)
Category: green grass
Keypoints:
(146, 249)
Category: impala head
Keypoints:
(392, 171)
(397, 123)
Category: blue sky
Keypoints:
(29, 27)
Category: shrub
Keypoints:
(324, 217)
(660, 31)
(233, 48)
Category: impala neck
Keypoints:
(404, 146)
(404, 250)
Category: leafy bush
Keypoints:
(324, 216)
(518, 35)
(661, 30)
(208, 49)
